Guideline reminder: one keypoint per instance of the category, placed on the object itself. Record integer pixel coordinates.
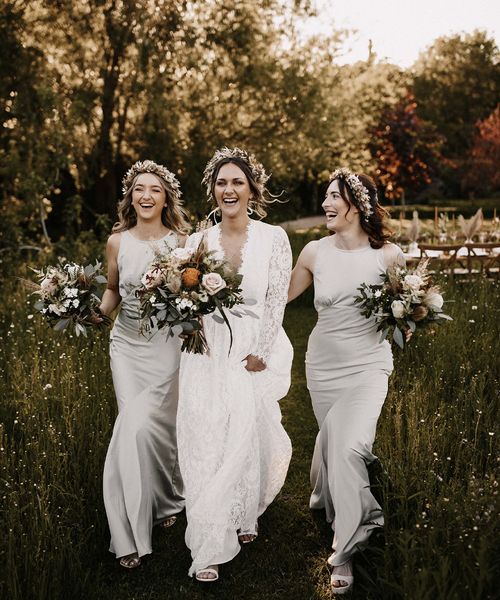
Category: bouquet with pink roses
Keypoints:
(182, 286)
(404, 300)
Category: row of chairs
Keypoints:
(480, 258)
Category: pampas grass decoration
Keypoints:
(472, 226)
(414, 231)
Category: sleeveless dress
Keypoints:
(141, 482)
(233, 450)
(347, 371)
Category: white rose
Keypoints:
(213, 283)
(434, 301)
(398, 309)
(413, 282)
(182, 254)
(377, 294)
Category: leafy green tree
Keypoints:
(456, 83)
(32, 140)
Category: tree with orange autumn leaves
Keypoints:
(482, 175)
(406, 150)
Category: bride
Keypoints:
(233, 450)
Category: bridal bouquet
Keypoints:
(68, 295)
(405, 300)
(182, 286)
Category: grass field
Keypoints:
(436, 479)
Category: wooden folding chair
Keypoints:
(444, 258)
(486, 255)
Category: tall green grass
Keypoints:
(437, 443)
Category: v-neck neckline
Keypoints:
(243, 249)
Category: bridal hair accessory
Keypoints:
(259, 174)
(149, 166)
(358, 190)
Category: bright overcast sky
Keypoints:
(400, 29)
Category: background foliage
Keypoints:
(88, 87)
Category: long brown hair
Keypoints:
(375, 225)
(173, 215)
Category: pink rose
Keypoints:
(152, 278)
(48, 286)
(213, 283)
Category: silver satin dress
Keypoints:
(347, 372)
(141, 483)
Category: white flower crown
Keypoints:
(149, 166)
(259, 174)
(358, 190)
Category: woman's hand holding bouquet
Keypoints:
(182, 286)
(405, 301)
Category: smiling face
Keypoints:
(148, 197)
(232, 191)
(340, 214)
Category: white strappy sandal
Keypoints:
(212, 571)
(250, 534)
(348, 579)
(344, 589)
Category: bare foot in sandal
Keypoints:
(209, 574)
(342, 579)
(168, 522)
(131, 561)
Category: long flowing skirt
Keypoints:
(347, 412)
(141, 482)
(233, 450)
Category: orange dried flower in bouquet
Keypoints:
(191, 277)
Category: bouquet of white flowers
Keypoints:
(405, 300)
(182, 286)
(68, 294)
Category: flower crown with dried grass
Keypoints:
(358, 190)
(149, 166)
(259, 174)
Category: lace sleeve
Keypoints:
(280, 267)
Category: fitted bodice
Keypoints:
(343, 339)
(134, 258)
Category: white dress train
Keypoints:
(233, 450)
(141, 483)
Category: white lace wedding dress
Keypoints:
(233, 450)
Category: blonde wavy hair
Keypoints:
(173, 215)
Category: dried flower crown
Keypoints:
(149, 166)
(259, 174)
(358, 190)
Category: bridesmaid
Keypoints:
(347, 367)
(141, 482)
